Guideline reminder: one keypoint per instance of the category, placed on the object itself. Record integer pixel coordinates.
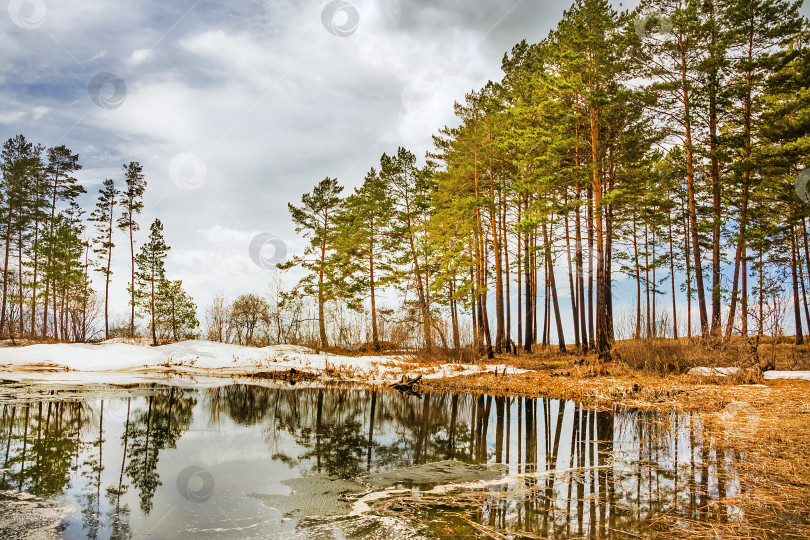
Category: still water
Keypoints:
(245, 461)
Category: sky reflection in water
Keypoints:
(206, 463)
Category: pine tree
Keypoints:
(175, 312)
(21, 167)
(316, 218)
(363, 246)
(63, 188)
(150, 274)
(411, 189)
(103, 216)
(131, 204)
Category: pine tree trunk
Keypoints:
(375, 341)
(36, 266)
(3, 316)
(590, 222)
(454, 316)
(20, 280)
(761, 323)
(672, 281)
(107, 279)
(553, 285)
(687, 259)
(507, 277)
(715, 173)
(520, 259)
(744, 299)
(638, 279)
(647, 278)
(152, 306)
(583, 326)
(690, 181)
(571, 287)
(654, 289)
(797, 317)
(50, 261)
(529, 312)
(738, 262)
(496, 255)
(132, 277)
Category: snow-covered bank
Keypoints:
(726, 371)
(787, 375)
(713, 371)
(114, 360)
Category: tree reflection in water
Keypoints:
(583, 472)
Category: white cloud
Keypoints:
(138, 56)
(267, 98)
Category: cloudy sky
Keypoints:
(236, 108)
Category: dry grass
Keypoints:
(774, 455)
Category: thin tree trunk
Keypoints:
(638, 280)
(553, 286)
(690, 184)
(672, 281)
(796, 303)
(571, 287)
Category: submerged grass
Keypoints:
(767, 425)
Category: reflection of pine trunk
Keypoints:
(421, 438)
(148, 432)
(371, 428)
(123, 460)
(572, 462)
(604, 452)
(451, 434)
(704, 474)
(581, 464)
(508, 406)
(39, 444)
(482, 441)
(531, 450)
(100, 461)
(552, 465)
(8, 441)
(521, 462)
(318, 418)
(720, 457)
(692, 483)
(593, 494)
(24, 448)
(499, 429)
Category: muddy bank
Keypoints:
(24, 516)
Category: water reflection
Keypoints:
(573, 470)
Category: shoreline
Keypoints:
(204, 363)
(768, 422)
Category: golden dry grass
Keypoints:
(774, 456)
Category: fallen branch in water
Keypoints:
(406, 384)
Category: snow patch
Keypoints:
(804, 375)
(713, 371)
(206, 358)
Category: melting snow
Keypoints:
(110, 359)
